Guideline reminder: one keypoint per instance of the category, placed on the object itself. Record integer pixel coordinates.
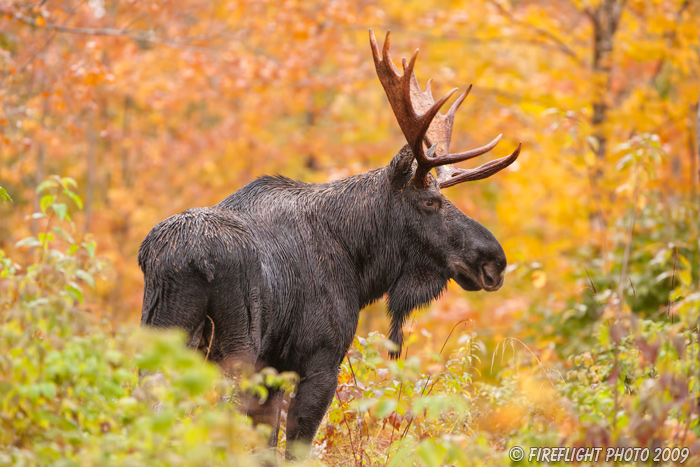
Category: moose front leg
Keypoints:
(307, 408)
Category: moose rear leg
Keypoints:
(308, 406)
(267, 412)
(169, 306)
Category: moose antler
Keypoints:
(406, 99)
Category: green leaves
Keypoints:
(46, 202)
(75, 395)
(61, 210)
(432, 453)
(4, 195)
(53, 188)
(386, 407)
(74, 291)
(85, 276)
(47, 185)
(74, 197)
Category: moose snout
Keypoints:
(492, 275)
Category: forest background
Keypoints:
(151, 108)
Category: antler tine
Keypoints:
(398, 89)
(463, 156)
(458, 102)
(450, 176)
(439, 135)
(425, 162)
(407, 100)
(440, 131)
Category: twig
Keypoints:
(630, 237)
(673, 284)
(634, 291)
(450, 334)
(620, 293)
(590, 280)
(352, 370)
(413, 323)
(398, 400)
(440, 353)
(211, 338)
(359, 427)
(539, 362)
(393, 426)
(352, 445)
(425, 386)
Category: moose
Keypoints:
(276, 274)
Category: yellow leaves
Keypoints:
(539, 279)
(344, 377)
(156, 118)
(531, 107)
(213, 397)
(538, 389)
(646, 51)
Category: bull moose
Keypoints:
(276, 274)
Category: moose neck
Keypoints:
(357, 214)
(371, 234)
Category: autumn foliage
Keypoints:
(118, 114)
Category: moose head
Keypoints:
(452, 245)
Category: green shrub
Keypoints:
(69, 385)
(70, 391)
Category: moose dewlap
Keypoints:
(276, 274)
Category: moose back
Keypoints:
(276, 274)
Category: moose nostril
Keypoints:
(491, 275)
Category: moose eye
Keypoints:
(431, 204)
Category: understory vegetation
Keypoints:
(625, 374)
(146, 109)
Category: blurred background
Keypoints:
(156, 107)
(143, 109)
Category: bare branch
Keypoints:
(82, 31)
(138, 35)
(561, 45)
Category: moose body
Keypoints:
(276, 274)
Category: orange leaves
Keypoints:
(205, 101)
(503, 419)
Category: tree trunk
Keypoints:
(605, 21)
(40, 166)
(38, 178)
(91, 169)
(126, 177)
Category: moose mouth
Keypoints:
(472, 281)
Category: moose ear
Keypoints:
(401, 167)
